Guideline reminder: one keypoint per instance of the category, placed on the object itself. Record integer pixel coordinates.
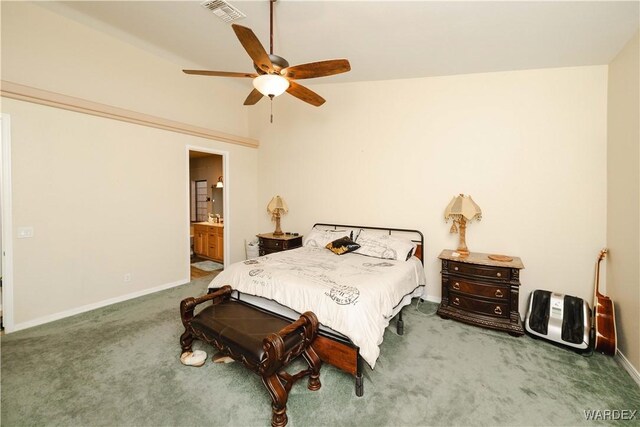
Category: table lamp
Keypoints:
(276, 208)
(462, 209)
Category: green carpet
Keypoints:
(119, 366)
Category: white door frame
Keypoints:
(225, 199)
(7, 225)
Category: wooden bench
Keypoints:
(261, 341)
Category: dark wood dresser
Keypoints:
(268, 243)
(481, 291)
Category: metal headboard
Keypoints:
(414, 235)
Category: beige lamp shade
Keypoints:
(463, 206)
(277, 204)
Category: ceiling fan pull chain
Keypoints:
(271, 104)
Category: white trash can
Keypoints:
(251, 248)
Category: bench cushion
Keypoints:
(241, 327)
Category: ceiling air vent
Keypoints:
(223, 10)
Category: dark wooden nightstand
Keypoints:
(481, 291)
(268, 243)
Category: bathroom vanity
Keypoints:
(208, 240)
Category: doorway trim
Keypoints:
(225, 198)
(7, 225)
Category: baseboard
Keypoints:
(622, 360)
(68, 313)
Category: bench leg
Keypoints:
(186, 339)
(315, 363)
(279, 396)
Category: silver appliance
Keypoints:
(560, 318)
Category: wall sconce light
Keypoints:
(219, 183)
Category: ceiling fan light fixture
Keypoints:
(271, 84)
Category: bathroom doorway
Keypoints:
(207, 210)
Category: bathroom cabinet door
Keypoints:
(200, 241)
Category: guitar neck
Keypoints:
(596, 288)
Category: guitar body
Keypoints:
(604, 317)
(605, 326)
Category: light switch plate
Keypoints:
(25, 232)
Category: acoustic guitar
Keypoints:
(604, 322)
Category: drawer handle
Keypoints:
(456, 286)
(497, 310)
(456, 301)
(499, 274)
(455, 268)
(499, 293)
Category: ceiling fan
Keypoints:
(274, 75)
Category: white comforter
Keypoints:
(352, 294)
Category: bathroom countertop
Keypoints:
(210, 224)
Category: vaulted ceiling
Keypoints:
(382, 39)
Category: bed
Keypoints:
(354, 295)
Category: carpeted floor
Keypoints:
(119, 366)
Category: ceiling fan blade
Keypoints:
(253, 97)
(253, 47)
(304, 94)
(317, 69)
(219, 73)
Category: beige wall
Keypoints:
(623, 202)
(529, 146)
(108, 198)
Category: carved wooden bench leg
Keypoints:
(186, 340)
(315, 363)
(279, 396)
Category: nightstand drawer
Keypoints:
(268, 243)
(494, 309)
(457, 284)
(272, 244)
(498, 273)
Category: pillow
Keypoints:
(384, 246)
(319, 238)
(342, 246)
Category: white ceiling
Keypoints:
(382, 39)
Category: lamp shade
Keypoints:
(271, 84)
(219, 184)
(463, 206)
(277, 204)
